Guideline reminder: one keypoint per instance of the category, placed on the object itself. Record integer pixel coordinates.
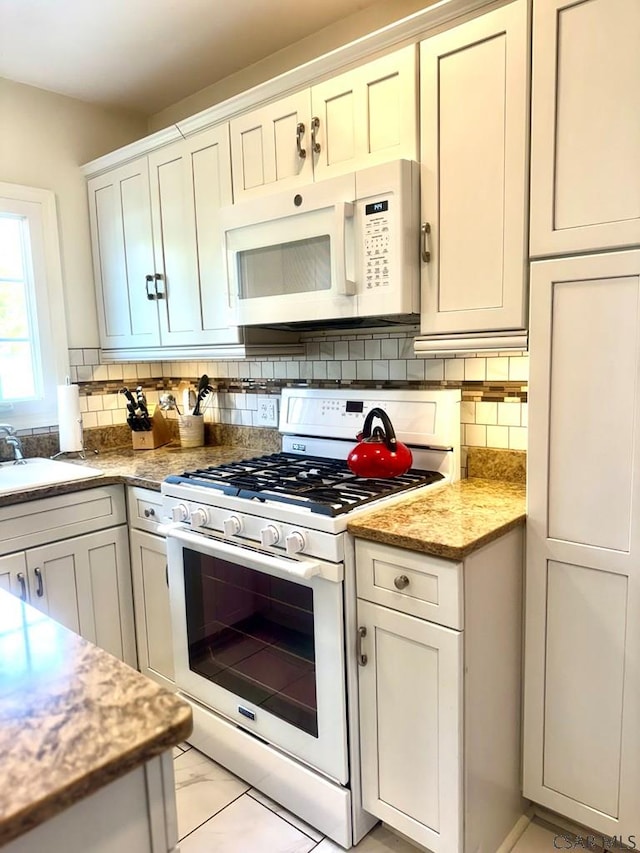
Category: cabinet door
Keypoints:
(122, 243)
(368, 115)
(411, 726)
(85, 584)
(585, 133)
(190, 181)
(474, 120)
(13, 575)
(582, 682)
(267, 150)
(151, 600)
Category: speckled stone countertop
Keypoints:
(145, 468)
(450, 521)
(72, 718)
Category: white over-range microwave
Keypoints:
(337, 250)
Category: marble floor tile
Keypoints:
(537, 839)
(379, 840)
(202, 789)
(246, 826)
(285, 815)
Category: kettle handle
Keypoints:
(389, 433)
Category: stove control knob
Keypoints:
(199, 517)
(295, 543)
(232, 525)
(179, 513)
(269, 535)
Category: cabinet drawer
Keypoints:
(417, 584)
(145, 509)
(46, 520)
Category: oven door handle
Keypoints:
(303, 569)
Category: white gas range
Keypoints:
(263, 596)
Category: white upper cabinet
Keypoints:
(123, 263)
(190, 181)
(360, 118)
(585, 139)
(157, 250)
(474, 123)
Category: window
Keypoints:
(33, 344)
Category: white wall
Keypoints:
(44, 138)
(329, 38)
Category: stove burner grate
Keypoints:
(324, 486)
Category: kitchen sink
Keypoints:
(41, 472)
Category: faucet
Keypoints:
(9, 434)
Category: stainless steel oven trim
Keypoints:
(328, 752)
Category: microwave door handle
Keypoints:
(344, 286)
(301, 569)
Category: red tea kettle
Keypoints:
(379, 453)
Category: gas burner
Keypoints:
(324, 486)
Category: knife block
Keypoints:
(158, 435)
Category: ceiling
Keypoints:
(144, 55)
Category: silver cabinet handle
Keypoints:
(149, 513)
(302, 152)
(315, 126)
(23, 586)
(401, 582)
(425, 252)
(151, 296)
(40, 587)
(166, 573)
(362, 658)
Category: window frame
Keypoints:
(39, 205)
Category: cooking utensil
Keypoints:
(142, 405)
(203, 389)
(379, 453)
(168, 402)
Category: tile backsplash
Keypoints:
(494, 387)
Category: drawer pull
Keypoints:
(40, 587)
(149, 513)
(23, 586)
(401, 582)
(362, 658)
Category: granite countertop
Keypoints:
(145, 468)
(72, 718)
(450, 521)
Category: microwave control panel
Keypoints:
(377, 229)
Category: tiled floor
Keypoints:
(219, 813)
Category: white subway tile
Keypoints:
(267, 370)
(255, 370)
(415, 368)
(118, 416)
(454, 369)
(364, 369)
(280, 369)
(100, 373)
(83, 403)
(524, 415)
(334, 370)
(467, 412)
(75, 357)
(113, 401)
(372, 350)
(94, 403)
(498, 369)
(319, 369)
(509, 414)
(434, 369)
(519, 368)
(105, 418)
(306, 370)
(89, 419)
(312, 351)
(486, 413)
(356, 350)
(389, 348)
(498, 436)
(348, 369)
(85, 374)
(397, 368)
(326, 351)
(475, 369)
(293, 369)
(475, 435)
(73, 373)
(379, 369)
(341, 351)
(517, 438)
(91, 356)
(405, 348)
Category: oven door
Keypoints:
(259, 638)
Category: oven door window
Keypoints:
(252, 634)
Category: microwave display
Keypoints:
(376, 207)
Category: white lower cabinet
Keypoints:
(82, 581)
(150, 587)
(439, 692)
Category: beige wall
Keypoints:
(44, 139)
(336, 35)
